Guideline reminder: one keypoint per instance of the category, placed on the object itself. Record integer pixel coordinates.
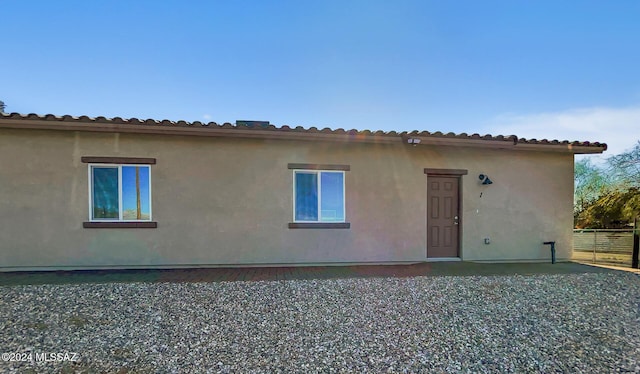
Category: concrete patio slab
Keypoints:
(292, 272)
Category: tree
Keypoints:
(614, 209)
(609, 196)
(625, 167)
(590, 183)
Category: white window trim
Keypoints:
(120, 212)
(318, 172)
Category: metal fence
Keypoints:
(604, 246)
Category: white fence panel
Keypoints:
(603, 246)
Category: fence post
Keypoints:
(636, 245)
(595, 243)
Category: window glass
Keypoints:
(135, 193)
(332, 197)
(306, 185)
(319, 196)
(120, 192)
(105, 193)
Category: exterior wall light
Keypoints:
(484, 179)
(413, 141)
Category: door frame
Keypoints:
(452, 173)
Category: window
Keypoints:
(120, 193)
(318, 196)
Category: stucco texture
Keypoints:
(228, 201)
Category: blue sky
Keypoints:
(543, 69)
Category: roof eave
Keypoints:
(192, 130)
(510, 144)
(568, 147)
(184, 129)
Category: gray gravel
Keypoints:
(542, 323)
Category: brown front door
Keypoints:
(442, 216)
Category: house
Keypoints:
(82, 193)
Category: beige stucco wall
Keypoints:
(227, 201)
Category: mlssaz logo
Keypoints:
(56, 356)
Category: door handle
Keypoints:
(455, 220)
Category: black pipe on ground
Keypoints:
(553, 251)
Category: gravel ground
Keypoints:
(541, 323)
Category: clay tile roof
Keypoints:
(263, 129)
